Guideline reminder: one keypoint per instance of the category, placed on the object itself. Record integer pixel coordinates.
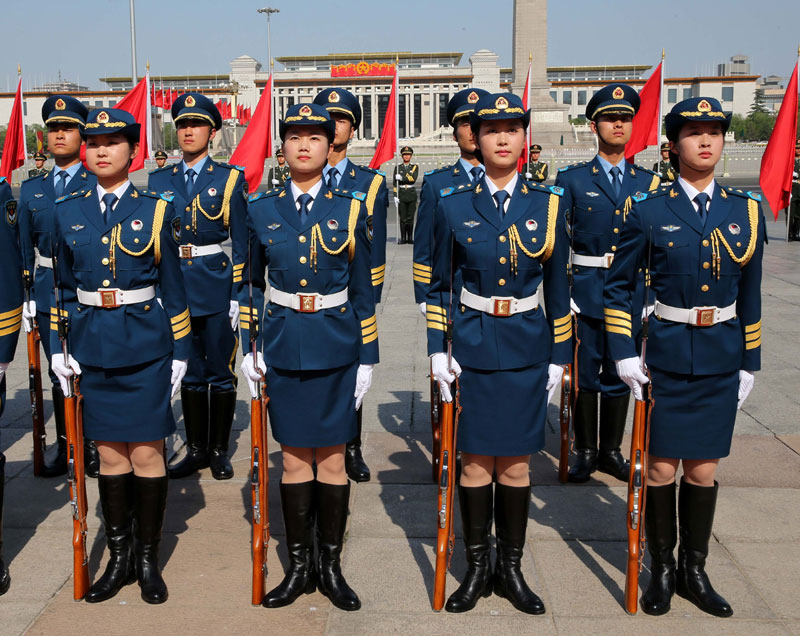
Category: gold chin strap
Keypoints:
(316, 237)
(225, 210)
(155, 239)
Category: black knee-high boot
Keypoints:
(696, 506)
(222, 408)
(354, 463)
(332, 503)
(476, 519)
(297, 502)
(5, 578)
(59, 465)
(116, 501)
(662, 535)
(195, 419)
(150, 502)
(511, 504)
(585, 425)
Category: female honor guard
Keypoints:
(495, 242)
(704, 243)
(319, 339)
(115, 245)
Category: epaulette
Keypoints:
(29, 179)
(370, 170)
(351, 194)
(231, 165)
(162, 168)
(647, 170)
(166, 197)
(437, 170)
(574, 165)
(557, 190)
(3, 179)
(464, 187)
(255, 196)
(651, 194)
(74, 195)
(742, 193)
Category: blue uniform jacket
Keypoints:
(434, 182)
(596, 220)
(373, 183)
(494, 257)
(135, 249)
(37, 204)
(691, 265)
(11, 268)
(329, 252)
(213, 211)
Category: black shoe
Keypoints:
(195, 419)
(150, 502)
(59, 465)
(332, 503)
(5, 577)
(91, 459)
(476, 518)
(613, 414)
(354, 463)
(584, 424)
(662, 535)
(297, 502)
(223, 406)
(116, 501)
(511, 506)
(696, 506)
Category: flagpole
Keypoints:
(660, 104)
(149, 120)
(396, 90)
(22, 113)
(528, 101)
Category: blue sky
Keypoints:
(88, 39)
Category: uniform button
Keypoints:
(333, 239)
(343, 309)
(670, 244)
(104, 240)
(502, 260)
(705, 242)
(303, 282)
(224, 263)
(617, 212)
(136, 240)
(616, 230)
(706, 265)
(104, 261)
(188, 227)
(269, 312)
(589, 208)
(147, 307)
(613, 248)
(501, 282)
(303, 259)
(738, 244)
(704, 288)
(270, 240)
(106, 283)
(302, 239)
(463, 309)
(533, 240)
(469, 239)
(188, 262)
(502, 238)
(188, 209)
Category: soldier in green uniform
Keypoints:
(161, 158)
(39, 158)
(664, 168)
(405, 194)
(277, 176)
(793, 218)
(535, 170)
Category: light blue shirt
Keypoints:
(466, 166)
(622, 165)
(71, 172)
(198, 168)
(341, 168)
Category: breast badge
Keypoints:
(472, 224)
(273, 226)
(734, 229)
(670, 228)
(212, 192)
(137, 225)
(176, 230)
(531, 224)
(333, 224)
(11, 212)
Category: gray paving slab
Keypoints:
(773, 568)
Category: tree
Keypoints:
(758, 105)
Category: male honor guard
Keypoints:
(405, 191)
(39, 158)
(535, 170)
(161, 158)
(344, 109)
(664, 168)
(64, 117)
(210, 206)
(597, 199)
(278, 174)
(793, 214)
(10, 321)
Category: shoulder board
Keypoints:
(352, 194)
(573, 166)
(753, 195)
(651, 194)
(255, 196)
(557, 190)
(438, 170)
(162, 169)
(28, 180)
(166, 197)
(639, 197)
(369, 170)
(231, 166)
(741, 193)
(3, 179)
(464, 187)
(74, 195)
(647, 170)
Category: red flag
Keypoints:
(525, 95)
(777, 163)
(173, 96)
(387, 146)
(248, 115)
(220, 109)
(646, 122)
(256, 143)
(39, 141)
(239, 113)
(14, 148)
(136, 103)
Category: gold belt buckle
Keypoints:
(308, 303)
(108, 299)
(186, 251)
(609, 259)
(704, 318)
(502, 307)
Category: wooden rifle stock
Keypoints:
(436, 427)
(565, 418)
(73, 418)
(259, 482)
(37, 402)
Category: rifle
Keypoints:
(35, 387)
(565, 417)
(73, 418)
(637, 482)
(259, 460)
(436, 428)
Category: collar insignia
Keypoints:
(273, 226)
(524, 189)
(593, 194)
(478, 189)
(472, 224)
(212, 192)
(134, 194)
(329, 195)
(734, 229)
(595, 170)
(282, 194)
(670, 228)
(353, 173)
(455, 171)
(633, 172)
(83, 175)
(333, 224)
(673, 193)
(78, 228)
(175, 169)
(723, 194)
(531, 224)
(137, 225)
(211, 167)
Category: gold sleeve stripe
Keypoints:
(436, 325)
(183, 332)
(619, 330)
(435, 310)
(377, 282)
(563, 337)
(370, 338)
(369, 321)
(11, 314)
(380, 268)
(562, 321)
(617, 313)
(180, 317)
(424, 281)
(557, 331)
(13, 328)
(10, 321)
(618, 322)
(369, 331)
(747, 329)
(237, 278)
(437, 320)
(750, 337)
(181, 325)
(239, 266)
(423, 268)
(245, 309)
(755, 344)
(379, 275)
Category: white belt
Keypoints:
(603, 261)
(499, 305)
(307, 303)
(111, 298)
(193, 251)
(406, 185)
(43, 261)
(697, 316)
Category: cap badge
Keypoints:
(305, 111)
(212, 192)
(60, 104)
(734, 229)
(102, 117)
(618, 93)
(704, 106)
(137, 225)
(472, 97)
(333, 97)
(333, 224)
(190, 101)
(531, 224)
(501, 103)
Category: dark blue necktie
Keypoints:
(615, 172)
(500, 199)
(332, 182)
(702, 202)
(477, 173)
(304, 200)
(190, 175)
(61, 181)
(109, 200)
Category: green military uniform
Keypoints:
(794, 210)
(405, 178)
(535, 170)
(279, 174)
(35, 172)
(665, 169)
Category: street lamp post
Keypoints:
(270, 65)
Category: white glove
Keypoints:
(444, 375)
(554, 374)
(396, 201)
(233, 314)
(64, 371)
(363, 382)
(275, 182)
(647, 310)
(574, 308)
(528, 175)
(251, 372)
(178, 371)
(423, 309)
(3, 367)
(28, 315)
(795, 175)
(630, 372)
(746, 382)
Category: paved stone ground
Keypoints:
(576, 551)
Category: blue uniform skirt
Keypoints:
(312, 409)
(503, 413)
(129, 404)
(693, 415)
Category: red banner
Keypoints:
(14, 149)
(647, 122)
(256, 143)
(362, 69)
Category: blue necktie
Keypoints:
(702, 202)
(477, 173)
(304, 200)
(190, 175)
(615, 172)
(61, 182)
(109, 200)
(500, 199)
(332, 181)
